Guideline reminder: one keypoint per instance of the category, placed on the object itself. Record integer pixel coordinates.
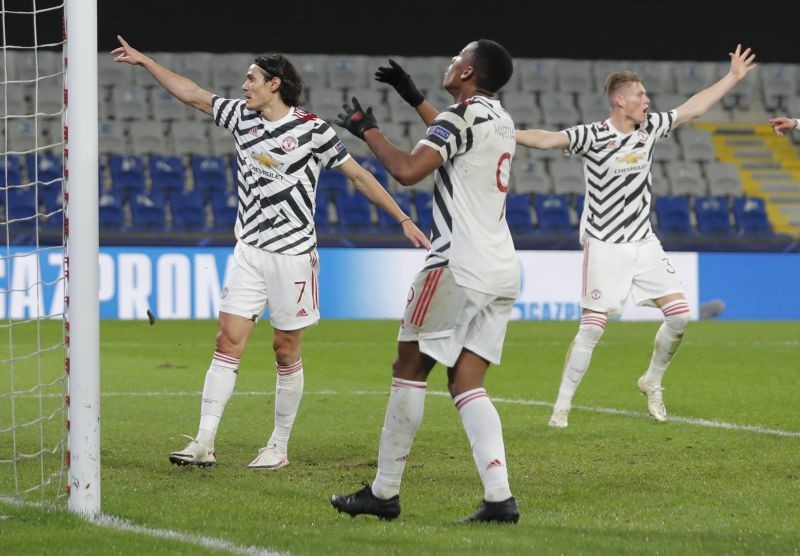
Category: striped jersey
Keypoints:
(616, 168)
(469, 232)
(278, 167)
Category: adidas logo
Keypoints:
(302, 313)
(494, 463)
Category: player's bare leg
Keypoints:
(668, 338)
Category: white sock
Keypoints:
(579, 356)
(288, 392)
(403, 417)
(668, 338)
(485, 433)
(217, 390)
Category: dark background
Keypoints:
(675, 30)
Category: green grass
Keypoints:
(609, 484)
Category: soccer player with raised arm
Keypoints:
(621, 254)
(280, 150)
(460, 302)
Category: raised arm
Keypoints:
(780, 123)
(398, 78)
(542, 139)
(697, 105)
(366, 183)
(406, 168)
(182, 88)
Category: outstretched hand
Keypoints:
(415, 235)
(742, 62)
(398, 78)
(126, 53)
(780, 123)
(356, 120)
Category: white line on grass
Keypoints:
(607, 410)
(120, 524)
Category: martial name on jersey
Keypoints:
(617, 174)
(278, 167)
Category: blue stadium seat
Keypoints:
(712, 216)
(374, 166)
(188, 211)
(331, 183)
(127, 175)
(579, 202)
(385, 222)
(354, 212)
(209, 174)
(423, 204)
(553, 213)
(50, 174)
(518, 213)
(111, 215)
(673, 215)
(21, 207)
(751, 216)
(10, 173)
(322, 220)
(167, 175)
(147, 214)
(224, 207)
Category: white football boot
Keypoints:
(558, 420)
(655, 399)
(269, 457)
(194, 454)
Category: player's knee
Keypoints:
(229, 344)
(678, 323)
(591, 329)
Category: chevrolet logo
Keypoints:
(631, 158)
(265, 160)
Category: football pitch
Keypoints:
(722, 476)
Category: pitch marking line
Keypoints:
(124, 525)
(607, 410)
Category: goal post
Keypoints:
(81, 271)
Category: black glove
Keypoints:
(356, 120)
(397, 77)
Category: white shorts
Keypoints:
(287, 285)
(612, 271)
(446, 318)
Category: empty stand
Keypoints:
(530, 176)
(567, 175)
(713, 217)
(724, 179)
(686, 178)
(518, 213)
(673, 215)
(553, 213)
(751, 216)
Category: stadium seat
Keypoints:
(529, 176)
(311, 67)
(47, 171)
(685, 178)
(348, 72)
(579, 202)
(553, 213)
(222, 142)
(388, 224)
(129, 103)
(188, 211)
(147, 213)
(24, 135)
(168, 108)
(536, 75)
(696, 144)
(673, 215)
(692, 77)
(331, 182)
(127, 175)
(521, 105)
(779, 84)
(724, 179)
(111, 74)
(21, 207)
(518, 213)
(558, 110)
(228, 70)
(191, 138)
(751, 216)
(14, 95)
(664, 102)
(111, 138)
(10, 171)
(567, 175)
(167, 175)
(322, 218)
(224, 208)
(574, 76)
(423, 206)
(659, 184)
(148, 137)
(593, 107)
(49, 96)
(327, 103)
(209, 174)
(374, 166)
(657, 76)
(427, 72)
(195, 66)
(713, 217)
(354, 212)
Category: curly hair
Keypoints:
(278, 65)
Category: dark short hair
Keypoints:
(616, 81)
(278, 65)
(492, 64)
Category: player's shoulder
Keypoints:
(305, 116)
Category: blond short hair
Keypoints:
(616, 81)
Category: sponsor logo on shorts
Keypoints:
(301, 313)
(596, 294)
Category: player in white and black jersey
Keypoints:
(280, 150)
(621, 254)
(460, 302)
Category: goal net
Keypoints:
(37, 384)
